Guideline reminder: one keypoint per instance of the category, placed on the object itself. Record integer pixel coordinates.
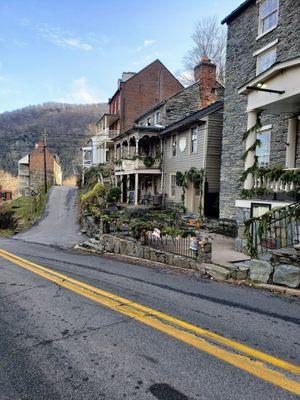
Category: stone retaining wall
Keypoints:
(105, 243)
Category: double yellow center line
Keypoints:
(262, 365)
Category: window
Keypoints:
(194, 140)
(148, 123)
(173, 185)
(157, 117)
(174, 146)
(263, 151)
(265, 60)
(268, 15)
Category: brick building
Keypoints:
(176, 134)
(31, 169)
(262, 92)
(136, 93)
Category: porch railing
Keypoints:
(276, 185)
(132, 165)
(276, 229)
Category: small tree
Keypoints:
(209, 40)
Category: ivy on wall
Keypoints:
(194, 175)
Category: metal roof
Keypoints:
(195, 117)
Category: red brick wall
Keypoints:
(36, 166)
(148, 87)
(205, 72)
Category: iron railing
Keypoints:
(176, 245)
(276, 229)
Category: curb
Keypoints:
(141, 261)
(276, 288)
(189, 272)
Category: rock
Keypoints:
(288, 275)
(181, 262)
(131, 248)
(196, 266)
(241, 273)
(260, 271)
(217, 272)
(117, 247)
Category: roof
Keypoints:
(137, 73)
(270, 72)
(194, 117)
(235, 13)
(150, 128)
(24, 160)
(161, 103)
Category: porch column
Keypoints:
(136, 190)
(104, 158)
(252, 120)
(120, 182)
(128, 188)
(136, 146)
(115, 148)
(291, 143)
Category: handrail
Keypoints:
(278, 228)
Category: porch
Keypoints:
(140, 188)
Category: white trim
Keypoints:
(247, 203)
(260, 19)
(265, 33)
(265, 128)
(269, 73)
(172, 195)
(265, 48)
(260, 55)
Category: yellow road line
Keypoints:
(176, 328)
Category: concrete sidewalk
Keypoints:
(223, 252)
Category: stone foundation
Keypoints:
(112, 244)
(106, 243)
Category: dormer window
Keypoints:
(268, 16)
(157, 117)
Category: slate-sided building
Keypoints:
(262, 82)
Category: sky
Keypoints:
(74, 51)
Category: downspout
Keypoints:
(205, 146)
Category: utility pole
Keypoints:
(45, 161)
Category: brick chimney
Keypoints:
(39, 144)
(205, 73)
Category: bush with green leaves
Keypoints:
(91, 198)
(7, 219)
(113, 195)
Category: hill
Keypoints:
(67, 125)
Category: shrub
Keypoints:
(7, 219)
(92, 196)
(113, 195)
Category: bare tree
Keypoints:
(209, 39)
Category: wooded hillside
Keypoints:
(68, 126)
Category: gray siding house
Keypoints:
(261, 108)
(195, 142)
(142, 147)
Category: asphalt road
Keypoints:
(59, 225)
(57, 344)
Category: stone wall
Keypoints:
(241, 68)
(105, 243)
(174, 108)
(282, 269)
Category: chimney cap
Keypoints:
(204, 57)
